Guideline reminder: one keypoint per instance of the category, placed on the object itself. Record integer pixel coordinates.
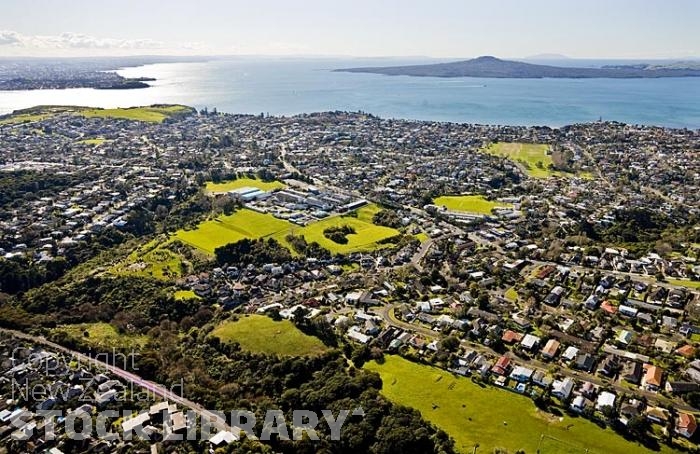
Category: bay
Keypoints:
(294, 85)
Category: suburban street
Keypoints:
(389, 317)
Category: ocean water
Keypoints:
(292, 86)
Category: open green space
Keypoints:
(242, 183)
(366, 237)
(102, 335)
(151, 260)
(261, 334)
(532, 156)
(490, 416)
(223, 230)
(511, 294)
(23, 118)
(422, 237)
(469, 203)
(93, 141)
(685, 283)
(181, 295)
(246, 223)
(152, 114)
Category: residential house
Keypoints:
(652, 377)
(579, 404)
(530, 342)
(570, 353)
(584, 361)
(686, 424)
(609, 366)
(521, 374)
(563, 388)
(511, 337)
(632, 372)
(658, 415)
(502, 366)
(550, 349)
(605, 399)
(587, 390)
(624, 337)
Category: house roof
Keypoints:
(657, 413)
(529, 341)
(687, 351)
(521, 371)
(502, 365)
(511, 336)
(653, 375)
(609, 308)
(550, 349)
(563, 387)
(605, 399)
(624, 336)
(686, 423)
(570, 352)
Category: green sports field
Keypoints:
(261, 334)
(469, 203)
(490, 416)
(242, 183)
(365, 237)
(246, 223)
(223, 230)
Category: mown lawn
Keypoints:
(492, 417)
(94, 141)
(469, 203)
(181, 295)
(366, 236)
(511, 294)
(685, 283)
(102, 335)
(261, 334)
(242, 183)
(246, 223)
(223, 230)
(422, 237)
(152, 114)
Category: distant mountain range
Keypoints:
(492, 67)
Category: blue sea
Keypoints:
(295, 85)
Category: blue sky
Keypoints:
(436, 28)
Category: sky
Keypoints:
(362, 28)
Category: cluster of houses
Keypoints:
(33, 379)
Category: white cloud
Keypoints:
(81, 41)
(9, 37)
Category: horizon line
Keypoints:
(545, 56)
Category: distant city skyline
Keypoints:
(598, 29)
